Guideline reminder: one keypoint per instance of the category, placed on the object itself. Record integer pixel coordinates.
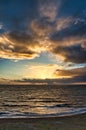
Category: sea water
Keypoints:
(34, 101)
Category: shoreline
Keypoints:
(6, 120)
(74, 122)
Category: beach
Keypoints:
(74, 122)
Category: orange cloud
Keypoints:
(71, 72)
(65, 38)
(20, 46)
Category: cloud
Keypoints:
(42, 27)
(49, 9)
(75, 53)
(4, 81)
(74, 30)
(69, 41)
(64, 22)
(20, 45)
(71, 73)
(32, 27)
(12, 48)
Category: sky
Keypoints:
(42, 41)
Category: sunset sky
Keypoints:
(42, 41)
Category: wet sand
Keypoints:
(76, 122)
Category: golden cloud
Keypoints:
(18, 46)
(71, 72)
(64, 38)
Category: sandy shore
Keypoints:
(76, 122)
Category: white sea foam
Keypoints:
(70, 112)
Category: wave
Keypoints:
(71, 112)
(14, 105)
(60, 105)
(45, 106)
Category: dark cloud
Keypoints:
(28, 26)
(76, 54)
(77, 72)
(17, 45)
(15, 15)
(77, 79)
(69, 40)
(75, 29)
(77, 75)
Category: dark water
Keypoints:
(42, 101)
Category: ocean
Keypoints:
(34, 101)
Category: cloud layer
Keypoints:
(38, 26)
(77, 72)
(30, 28)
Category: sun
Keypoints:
(41, 71)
